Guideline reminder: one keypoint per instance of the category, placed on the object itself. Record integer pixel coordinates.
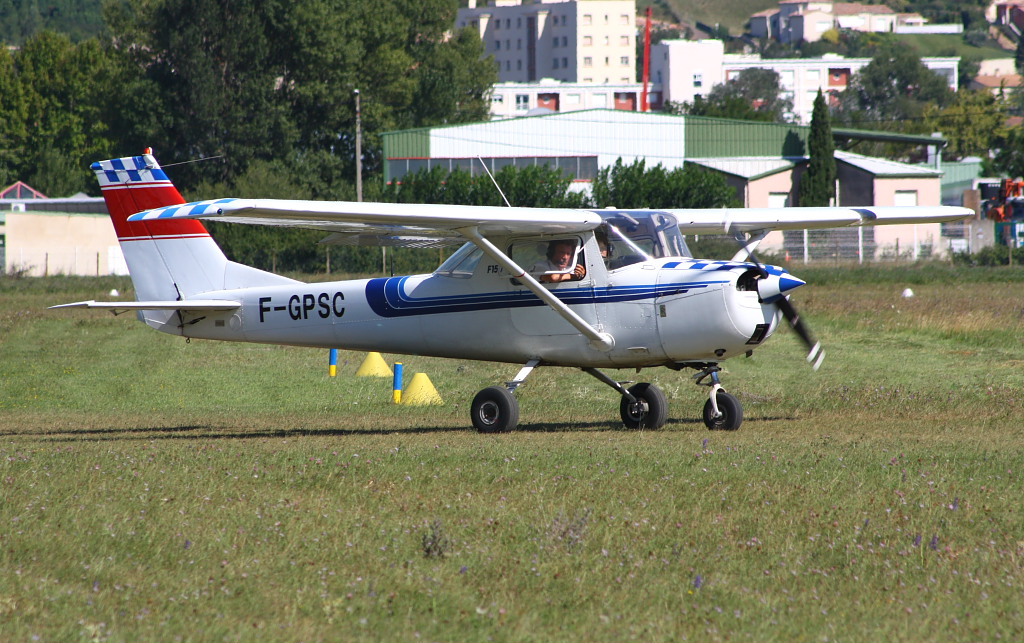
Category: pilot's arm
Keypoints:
(579, 272)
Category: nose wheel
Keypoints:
(722, 411)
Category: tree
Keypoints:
(1008, 158)
(636, 186)
(265, 79)
(892, 91)
(818, 184)
(56, 116)
(755, 94)
(970, 124)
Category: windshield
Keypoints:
(639, 235)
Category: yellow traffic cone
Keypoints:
(374, 366)
(421, 392)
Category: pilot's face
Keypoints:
(561, 255)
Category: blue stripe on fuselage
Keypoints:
(387, 298)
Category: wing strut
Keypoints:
(599, 340)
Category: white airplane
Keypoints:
(587, 289)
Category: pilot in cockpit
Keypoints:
(560, 254)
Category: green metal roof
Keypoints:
(708, 137)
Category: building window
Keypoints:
(508, 65)
(905, 198)
(565, 63)
(519, 43)
(498, 99)
(624, 18)
(497, 45)
(519, 65)
(625, 61)
(587, 19)
(698, 80)
(624, 41)
(588, 61)
(588, 41)
(565, 41)
(555, 63)
(522, 102)
(606, 61)
(572, 99)
(556, 42)
(497, 25)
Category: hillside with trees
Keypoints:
(22, 19)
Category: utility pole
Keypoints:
(359, 150)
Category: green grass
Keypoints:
(734, 14)
(928, 45)
(158, 490)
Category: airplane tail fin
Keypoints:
(167, 260)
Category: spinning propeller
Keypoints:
(770, 288)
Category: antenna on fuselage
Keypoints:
(498, 187)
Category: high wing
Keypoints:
(354, 223)
(394, 224)
(715, 221)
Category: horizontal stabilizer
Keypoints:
(186, 304)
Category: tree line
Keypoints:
(247, 83)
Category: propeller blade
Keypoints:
(742, 241)
(815, 354)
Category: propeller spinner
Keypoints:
(771, 289)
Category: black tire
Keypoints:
(650, 410)
(731, 409)
(495, 410)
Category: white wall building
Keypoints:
(576, 41)
(690, 68)
(509, 100)
(70, 236)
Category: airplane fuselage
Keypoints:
(660, 311)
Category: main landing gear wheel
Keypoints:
(649, 411)
(731, 413)
(495, 410)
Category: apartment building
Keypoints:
(685, 69)
(574, 41)
(807, 20)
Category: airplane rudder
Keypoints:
(136, 183)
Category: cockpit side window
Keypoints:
(462, 263)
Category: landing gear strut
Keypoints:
(643, 405)
(722, 411)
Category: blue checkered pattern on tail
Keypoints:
(129, 170)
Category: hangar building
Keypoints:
(762, 161)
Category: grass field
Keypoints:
(158, 490)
